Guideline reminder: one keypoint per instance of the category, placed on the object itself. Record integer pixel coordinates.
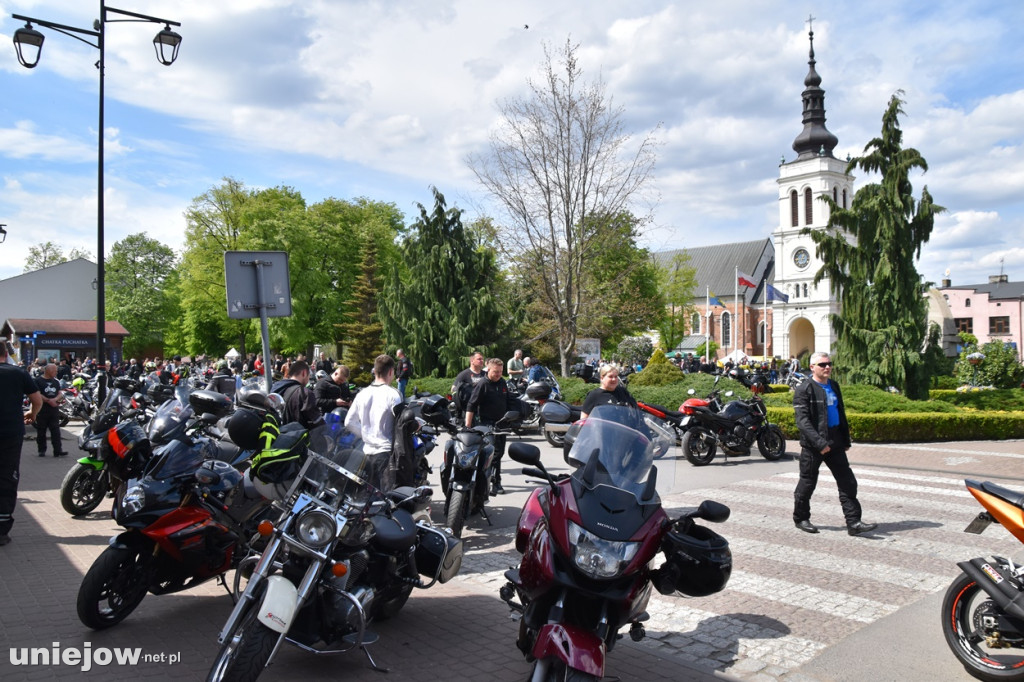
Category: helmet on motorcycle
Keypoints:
(698, 562)
(253, 397)
(123, 441)
(321, 375)
(435, 410)
(737, 373)
(78, 383)
(244, 429)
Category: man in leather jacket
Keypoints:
(824, 437)
(299, 401)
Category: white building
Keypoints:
(802, 325)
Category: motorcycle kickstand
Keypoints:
(224, 583)
(483, 513)
(373, 664)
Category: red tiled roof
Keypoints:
(26, 326)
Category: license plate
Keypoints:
(979, 524)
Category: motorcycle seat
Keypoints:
(226, 451)
(397, 533)
(1012, 496)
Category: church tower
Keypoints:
(802, 324)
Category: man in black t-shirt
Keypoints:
(15, 384)
(48, 420)
(489, 401)
(466, 380)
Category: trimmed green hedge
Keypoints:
(875, 415)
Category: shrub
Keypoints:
(873, 400)
(657, 374)
(1011, 399)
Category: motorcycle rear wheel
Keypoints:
(963, 607)
(555, 439)
(699, 446)
(113, 586)
(772, 443)
(245, 653)
(82, 490)
(558, 671)
(456, 512)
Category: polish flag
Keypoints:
(745, 280)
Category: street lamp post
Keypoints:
(28, 43)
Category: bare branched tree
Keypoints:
(560, 161)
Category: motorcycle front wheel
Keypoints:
(82, 490)
(246, 650)
(964, 608)
(456, 518)
(553, 670)
(114, 585)
(771, 443)
(699, 446)
(64, 409)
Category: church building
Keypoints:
(796, 319)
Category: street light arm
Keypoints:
(62, 28)
(137, 17)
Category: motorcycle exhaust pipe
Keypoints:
(996, 585)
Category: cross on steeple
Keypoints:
(810, 22)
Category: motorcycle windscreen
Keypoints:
(170, 421)
(616, 446)
(345, 466)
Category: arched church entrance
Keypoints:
(801, 337)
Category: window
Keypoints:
(760, 333)
(805, 291)
(999, 325)
(726, 330)
(844, 198)
(967, 303)
(808, 207)
(964, 324)
(835, 194)
(794, 204)
(695, 324)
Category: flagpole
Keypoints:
(707, 322)
(735, 302)
(764, 315)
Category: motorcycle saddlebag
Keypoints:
(538, 390)
(438, 555)
(555, 413)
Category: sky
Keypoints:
(346, 99)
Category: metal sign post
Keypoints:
(266, 295)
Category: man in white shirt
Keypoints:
(372, 418)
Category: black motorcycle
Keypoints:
(339, 555)
(734, 426)
(468, 471)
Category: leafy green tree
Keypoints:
(363, 333)
(137, 273)
(678, 282)
(1000, 368)
(634, 349)
(560, 158)
(46, 254)
(869, 253)
(444, 305)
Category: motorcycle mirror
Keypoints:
(424, 491)
(716, 512)
(524, 453)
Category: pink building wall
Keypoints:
(980, 309)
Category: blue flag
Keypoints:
(776, 295)
(714, 301)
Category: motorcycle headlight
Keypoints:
(134, 500)
(597, 557)
(466, 459)
(316, 528)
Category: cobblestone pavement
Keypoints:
(791, 595)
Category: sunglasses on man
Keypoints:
(824, 364)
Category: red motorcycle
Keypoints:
(589, 541)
